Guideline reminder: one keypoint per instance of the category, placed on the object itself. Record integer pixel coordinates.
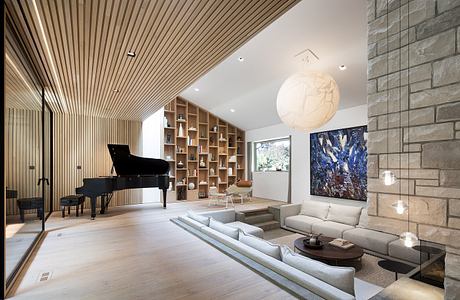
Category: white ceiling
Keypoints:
(336, 30)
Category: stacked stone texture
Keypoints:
(414, 121)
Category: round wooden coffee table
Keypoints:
(329, 253)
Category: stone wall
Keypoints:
(414, 121)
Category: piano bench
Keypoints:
(30, 203)
(72, 200)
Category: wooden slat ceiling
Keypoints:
(82, 47)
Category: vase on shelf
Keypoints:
(202, 163)
(165, 122)
(180, 164)
(181, 130)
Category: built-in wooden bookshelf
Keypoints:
(201, 149)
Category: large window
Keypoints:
(272, 155)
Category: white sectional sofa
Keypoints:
(348, 222)
(321, 281)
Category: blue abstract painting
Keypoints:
(338, 163)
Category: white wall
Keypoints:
(152, 137)
(300, 151)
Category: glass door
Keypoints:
(46, 179)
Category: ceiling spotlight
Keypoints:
(196, 89)
(240, 59)
(116, 90)
(131, 54)
(232, 110)
(342, 67)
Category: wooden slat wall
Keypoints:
(22, 149)
(82, 141)
(82, 46)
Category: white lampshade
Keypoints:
(307, 100)
(389, 178)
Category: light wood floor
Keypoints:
(135, 252)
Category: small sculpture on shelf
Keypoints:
(212, 172)
(214, 128)
(168, 139)
(180, 117)
(166, 122)
(222, 139)
(202, 163)
(180, 164)
(181, 130)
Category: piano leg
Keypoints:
(103, 204)
(164, 197)
(93, 207)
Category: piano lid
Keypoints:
(126, 164)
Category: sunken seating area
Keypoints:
(347, 222)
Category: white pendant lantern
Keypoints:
(409, 239)
(307, 100)
(389, 178)
(400, 207)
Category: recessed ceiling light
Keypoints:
(116, 90)
(196, 89)
(240, 59)
(342, 67)
(232, 110)
(131, 53)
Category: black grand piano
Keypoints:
(132, 172)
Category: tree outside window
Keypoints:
(272, 155)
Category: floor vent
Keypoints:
(44, 276)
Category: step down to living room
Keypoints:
(262, 218)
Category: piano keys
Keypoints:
(132, 172)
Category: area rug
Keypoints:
(368, 269)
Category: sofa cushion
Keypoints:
(370, 239)
(301, 222)
(315, 209)
(340, 277)
(191, 222)
(225, 229)
(248, 228)
(398, 250)
(199, 218)
(344, 214)
(363, 219)
(309, 282)
(224, 216)
(263, 246)
(330, 229)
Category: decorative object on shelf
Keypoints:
(212, 172)
(194, 172)
(180, 164)
(232, 159)
(338, 163)
(168, 139)
(214, 128)
(202, 163)
(221, 138)
(190, 141)
(211, 140)
(170, 186)
(192, 156)
(168, 157)
(239, 139)
(191, 128)
(219, 180)
(181, 130)
(230, 171)
(307, 99)
(238, 150)
(230, 142)
(191, 186)
(201, 195)
(181, 117)
(222, 163)
(165, 122)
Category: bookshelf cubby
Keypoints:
(201, 149)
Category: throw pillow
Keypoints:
(344, 214)
(199, 218)
(263, 246)
(342, 278)
(225, 229)
(315, 209)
